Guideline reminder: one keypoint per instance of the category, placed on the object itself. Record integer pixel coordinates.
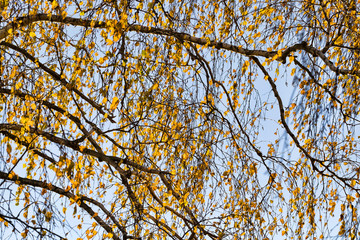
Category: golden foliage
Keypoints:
(173, 119)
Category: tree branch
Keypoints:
(24, 21)
(58, 190)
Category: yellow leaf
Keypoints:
(24, 234)
(117, 37)
(33, 106)
(32, 34)
(293, 71)
(8, 149)
(12, 175)
(291, 59)
(114, 104)
(48, 216)
(109, 41)
(54, 4)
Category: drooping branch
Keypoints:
(48, 186)
(56, 76)
(27, 145)
(38, 229)
(313, 160)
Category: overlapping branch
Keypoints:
(112, 160)
(24, 21)
(326, 171)
(80, 200)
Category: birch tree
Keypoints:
(168, 119)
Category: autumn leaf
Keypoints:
(114, 103)
(179, 119)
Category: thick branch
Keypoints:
(112, 160)
(24, 21)
(27, 145)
